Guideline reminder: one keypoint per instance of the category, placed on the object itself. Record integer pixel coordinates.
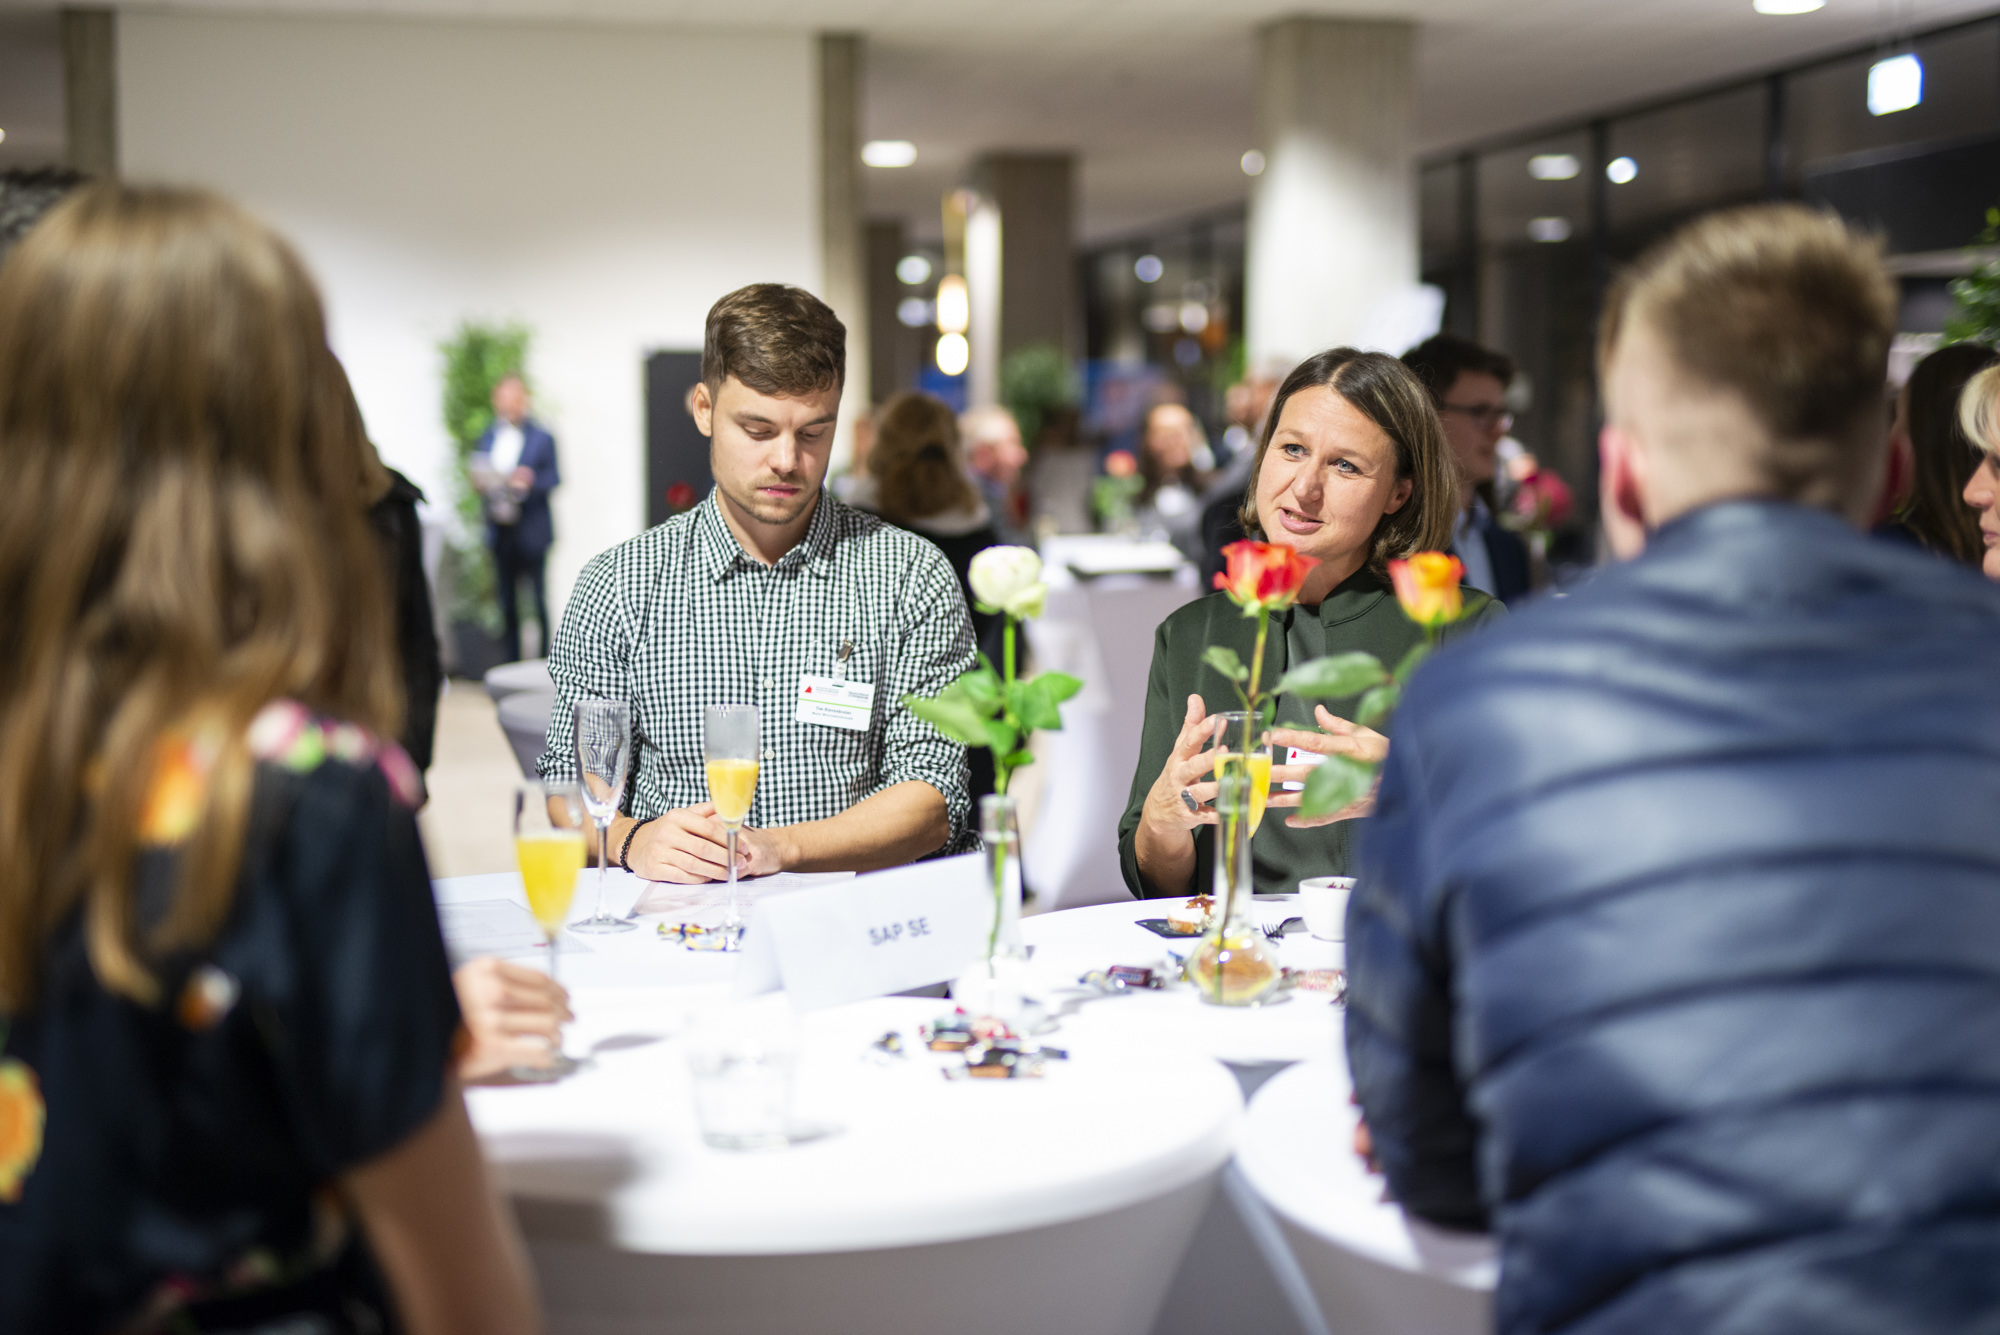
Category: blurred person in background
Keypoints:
(1468, 384)
(1675, 951)
(1353, 471)
(227, 1027)
(850, 481)
(1935, 457)
(28, 193)
(917, 480)
(1979, 419)
(1174, 464)
(996, 457)
(514, 470)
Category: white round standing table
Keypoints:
(1374, 1269)
(1063, 1204)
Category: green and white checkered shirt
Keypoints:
(681, 617)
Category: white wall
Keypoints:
(603, 184)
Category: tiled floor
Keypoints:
(471, 779)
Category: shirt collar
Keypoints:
(720, 551)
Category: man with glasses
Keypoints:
(1468, 384)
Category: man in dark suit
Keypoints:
(1468, 384)
(514, 470)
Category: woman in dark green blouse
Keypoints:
(1353, 471)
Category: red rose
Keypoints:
(1263, 576)
(680, 497)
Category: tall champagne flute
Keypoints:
(603, 758)
(729, 753)
(548, 845)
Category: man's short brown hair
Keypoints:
(776, 339)
(1789, 310)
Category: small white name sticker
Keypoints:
(836, 702)
(1294, 756)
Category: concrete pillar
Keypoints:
(90, 89)
(1035, 195)
(843, 257)
(894, 352)
(985, 241)
(1332, 246)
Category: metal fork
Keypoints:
(1277, 933)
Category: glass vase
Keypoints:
(997, 986)
(1233, 966)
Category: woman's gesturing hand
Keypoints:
(1186, 771)
(1340, 738)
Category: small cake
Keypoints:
(1191, 918)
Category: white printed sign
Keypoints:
(836, 703)
(878, 934)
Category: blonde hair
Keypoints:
(182, 541)
(1979, 410)
(915, 460)
(1790, 311)
(1388, 394)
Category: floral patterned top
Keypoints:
(170, 1167)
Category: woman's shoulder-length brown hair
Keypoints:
(915, 460)
(1388, 394)
(182, 541)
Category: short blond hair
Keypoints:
(1789, 310)
(1979, 410)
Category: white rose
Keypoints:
(1009, 578)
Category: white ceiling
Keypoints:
(1156, 95)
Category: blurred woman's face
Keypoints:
(1327, 480)
(1170, 437)
(1982, 493)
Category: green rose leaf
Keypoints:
(1226, 662)
(1418, 653)
(1337, 783)
(953, 717)
(1333, 676)
(1016, 759)
(1266, 715)
(1002, 736)
(979, 688)
(1034, 703)
(1377, 704)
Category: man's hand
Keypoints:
(687, 846)
(1341, 738)
(514, 1014)
(522, 480)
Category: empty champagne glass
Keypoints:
(729, 739)
(603, 758)
(548, 845)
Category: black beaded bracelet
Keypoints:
(626, 847)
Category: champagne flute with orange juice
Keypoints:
(549, 846)
(729, 752)
(1231, 736)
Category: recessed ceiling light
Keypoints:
(888, 152)
(3, 136)
(1147, 268)
(1553, 166)
(954, 305)
(912, 270)
(1621, 171)
(1787, 6)
(1253, 163)
(1895, 84)
(1548, 229)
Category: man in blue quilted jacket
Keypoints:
(1675, 960)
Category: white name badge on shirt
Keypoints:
(877, 934)
(1294, 756)
(836, 702)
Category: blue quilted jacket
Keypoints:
(1675, 959)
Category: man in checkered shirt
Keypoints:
(769, 582)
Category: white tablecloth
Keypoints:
(1064, 1203)
(1102, 631)
(1303, 1026)
(1374, 1269)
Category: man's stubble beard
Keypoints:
(768, 512)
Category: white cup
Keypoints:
(1323, 904)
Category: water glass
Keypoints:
(743, 1057)
(603, 761)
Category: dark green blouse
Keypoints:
(1361, 614)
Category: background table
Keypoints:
(1373, 1269)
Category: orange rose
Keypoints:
(1263, 576)
(1120, 463)
(1427, 587)
(21, 1119)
